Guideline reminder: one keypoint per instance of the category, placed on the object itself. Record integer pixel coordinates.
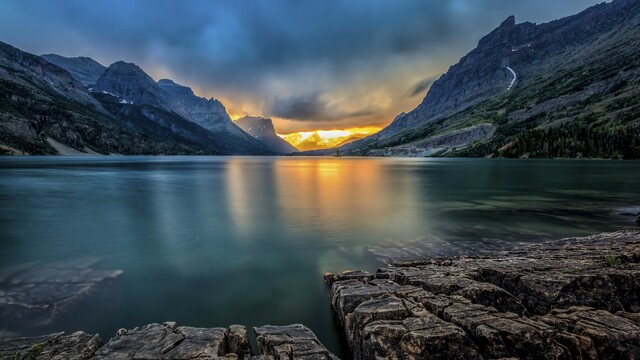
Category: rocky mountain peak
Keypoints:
(129, 82)
(263, 130)
(256, 126)
(509, 22)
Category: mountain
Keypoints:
(44, 110)
(128, 92)
(131, 84)
(567, 88)
(84, 69)
(210, 114)
(262, 129)
(349, 139)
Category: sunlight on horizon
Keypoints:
(327, 139)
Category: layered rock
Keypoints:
(574, 298)
(169, 341)
(290, 342)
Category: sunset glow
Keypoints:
(327, 139)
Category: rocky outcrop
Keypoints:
(290, 342)
(262, 130)
(84, 69)
(169, 341)
(573, 299)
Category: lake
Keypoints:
(214, 241)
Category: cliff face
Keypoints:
(208, 113)
(262, 129)
(513, 66)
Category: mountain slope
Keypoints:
(42, 105)
(127, 91)
(262, 129)
(210, 114)
(84, 69)
(531, 90)
(131, 84)
(44, 110)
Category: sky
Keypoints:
(309, 65)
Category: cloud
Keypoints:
(422, 86)
(298, 52)
(311, 108)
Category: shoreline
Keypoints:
(570, 298)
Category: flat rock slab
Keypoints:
(576, 298)
(36, 294)
(290, 342)
(166, 341)
(169, 341)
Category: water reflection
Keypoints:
(212, 241)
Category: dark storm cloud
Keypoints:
(310, 108)
(261, 50)
(422, 86)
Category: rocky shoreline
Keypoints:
(169, 341)
(576, 298)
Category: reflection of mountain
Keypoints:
(314, 141)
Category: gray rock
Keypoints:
(361, 275)
(484, 303)
(77, 346)
(239, 341)
(426, 337)
(155, 341)
(290, 342)
(612, 336)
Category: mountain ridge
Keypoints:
(505, 67)
(84, 69)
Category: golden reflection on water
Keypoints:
(321, 194)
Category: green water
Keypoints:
(213, 241)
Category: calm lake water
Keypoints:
(213, 241)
